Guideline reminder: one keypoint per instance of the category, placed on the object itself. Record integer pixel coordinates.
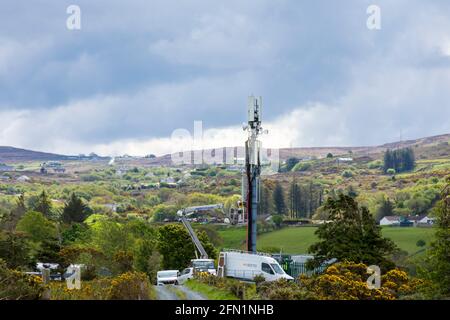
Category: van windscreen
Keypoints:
(277, 268)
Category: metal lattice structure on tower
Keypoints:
(252, 168)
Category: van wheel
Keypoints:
(176, 283)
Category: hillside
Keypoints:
(11, 154)
(425, 148)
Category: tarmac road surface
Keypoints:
(168, 292)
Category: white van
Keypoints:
(167, 277)
(247, 265)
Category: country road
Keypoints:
(171, 292)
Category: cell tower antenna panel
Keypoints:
(254, 114)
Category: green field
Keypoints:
(406, 238)
(297, 240)
(233, 237)
(289, 240)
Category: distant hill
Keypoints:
(11, 154)
(423, 148)
(428, 147)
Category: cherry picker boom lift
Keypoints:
(202, 263)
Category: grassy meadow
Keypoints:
(296, 240)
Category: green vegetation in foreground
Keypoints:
(298, 240)
(211, 293)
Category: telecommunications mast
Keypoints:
(252, 168)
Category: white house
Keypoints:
(390, 221)
(415, 219)
(23, 179)
(426, 220)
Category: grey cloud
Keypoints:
(140, 69)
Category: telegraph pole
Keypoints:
(252, 168)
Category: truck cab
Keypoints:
(203, 265)
(272, 271)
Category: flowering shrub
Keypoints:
(341, 281)
(90, 290)
(16, 285)
(280, 290)
(127, 286)
(130, 286)
(347, 281)
(399, 284)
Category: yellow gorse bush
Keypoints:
(127, 286)
(347, 281)
(15, 284)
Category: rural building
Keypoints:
(421, 220)
(344, 160)
(23, 179)
(390, 221)
(415, 219)
(401, 221)
(426, 220)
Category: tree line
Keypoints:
(35, 231)
(300, 200)
(400, 160)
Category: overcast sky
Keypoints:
(138, 70)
